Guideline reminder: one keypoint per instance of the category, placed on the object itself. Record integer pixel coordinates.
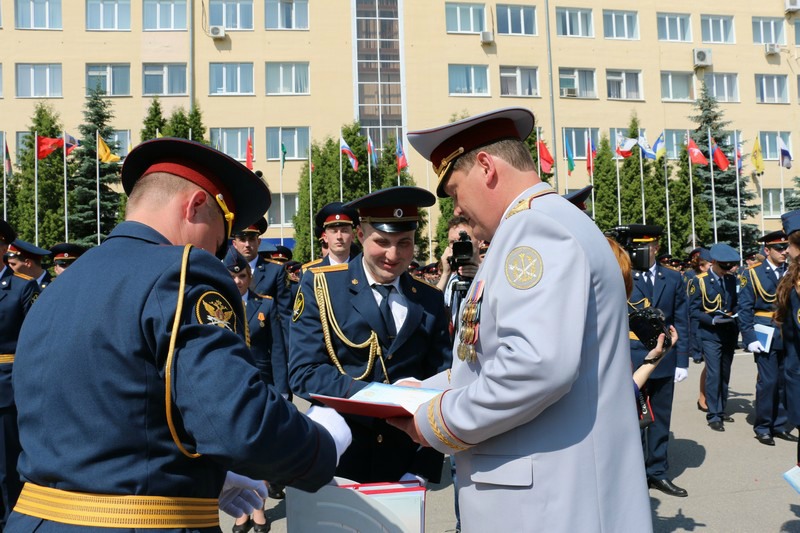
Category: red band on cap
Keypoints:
(336, 219)
(195, 173)
(476, 136)
(64, 255)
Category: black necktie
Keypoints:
(386, 310)
(781, 270)
(648, 285)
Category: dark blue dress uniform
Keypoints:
(669, 295)
(756, 306)
(269, 277)
(266, 340)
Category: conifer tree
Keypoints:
(154, 122)
(631, 182)
(177, 124)
(196, 126)
(792, 201)
(685, 198)
(606, 212)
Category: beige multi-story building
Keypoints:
(294, 71)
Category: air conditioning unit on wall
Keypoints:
(771, 49)
(702, 57)
(216, 32)
(792, 6)
(487, 37)
(569, 92)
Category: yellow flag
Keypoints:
(104, 152)
(757, 157)
(158, 134)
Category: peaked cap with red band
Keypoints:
(259, 227)
(774, 237)
(335, 213)
(245, 194)
(67, 251)
(443, 145)
(393, 210)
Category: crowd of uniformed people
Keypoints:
(146, 379)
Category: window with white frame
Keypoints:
(289, 209)
(768, 30)
(717, 29)
(295, 140)
(519, 81)
(468, 80)
(113, 79)
(769, 143)
(674, 27)
(577, 82)
(723, 87)
(577, 138)
(674, 140)
(516, 20)
(771, 89)
(287, 78)
(624, 84)
(164, 79)
(620, 24)
(123, 140)
(464, 18)
(797, 31)
(772, 202)
(574, 22)
(286, 14)
(38, 80)
(677, 86)
(230, 78)
(22, 140)
(37, 14)
(109, 15)
(232, 141)
(232, 14)
(164, 15)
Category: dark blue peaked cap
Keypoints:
(791, 221)
(21, 247)
(724, 253)
(394, 209)
(234, 261)
(7, 232)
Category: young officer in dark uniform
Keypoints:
(757, 293)
(369, 320)
(713, 302)
(337, 224)
(64, 254)
(144, 393)
(656, 285)
(17, 294)
(26, 258)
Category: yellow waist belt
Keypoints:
(6, 358)
(99, 510)
(767, 314)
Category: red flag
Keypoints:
(249, 154)
(591, 153)
(695, 155)
(402, 162)
(47, 145)
(720, 161)
(545, 159)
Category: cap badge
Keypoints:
(338, 217)
(398, 213)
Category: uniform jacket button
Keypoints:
(389, 357)
(380, 438)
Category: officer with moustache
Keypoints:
(656, 285)
(757, 295)
(714, 304)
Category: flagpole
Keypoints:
(190, 134)
(691, 191)
(280, 178)
(619, 194)
(538, 154)
(97, 169)
(713, 193)
(566, 158)
(36, 187)
(341, 188)
(738, 197)
(66, 208)
(666, 192)
(780, 166)
(312, 235)
(761, 194)
(430, 225)
(397, 135)
(641, 175)
(5, 176)
(590, 155)
(369, 161)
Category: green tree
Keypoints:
(97, 115)
(685, 197)
(632, 176)
(154, 122)
(711, 118)
(177, 124)
(196, 126)
(47, 187)
(606, 212)
(793, 200)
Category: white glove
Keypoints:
(755, 347)
(681, 374)
(335, 425)
(408, 476)
(240, 495)
(717, 320)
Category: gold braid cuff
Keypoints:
(440, 429)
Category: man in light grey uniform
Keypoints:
(539, 406)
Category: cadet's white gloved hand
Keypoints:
(681, 374)
(240, 495)
(408, 476)
(336, 426)
(755, 347)
(717, 320)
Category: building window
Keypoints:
(519, 81)
(286, 15)
(717, 29)
(123, 140)
(232, 141)
(516, 20)
(624, 84)
(289, 209)
(797, 31)
(38, 80)
(723, 87)
(772, 202)
(22, 138)
(620, 24)
(231, 78)
(287, 78)
(164, 15)
(768, 30)
(464, 18)
(674, 27)
(771, 89)
(577, 83)
(232, 14)
(769, 143)
(675, 141)
(114, 80)
(37, 14)
(112, 15)
(468, 80)
(677, 86)
(577, 138)
(574, 22)
(295, 140)
(164, 79)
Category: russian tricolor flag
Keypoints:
(345, 149)
(786, 156)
